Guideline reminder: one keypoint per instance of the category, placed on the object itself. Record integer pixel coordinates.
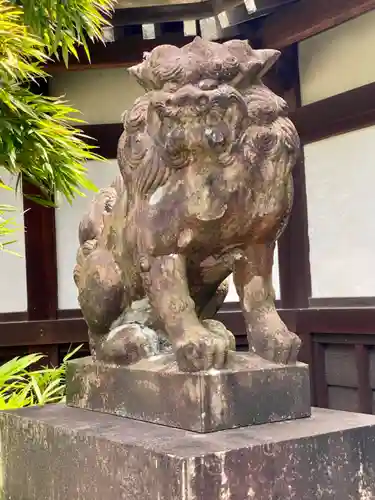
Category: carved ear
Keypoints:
(267, 58)
(136, 72)
(142, 74)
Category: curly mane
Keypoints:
(199, 64)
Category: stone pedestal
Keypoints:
(249, 391)
(107, 442)
(64, 453)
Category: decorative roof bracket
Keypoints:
(213, 15)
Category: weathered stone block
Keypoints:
(62, 453)
(250, 391)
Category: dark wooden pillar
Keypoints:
(40, 249)
(294, 260)
(41, 259)
(293, 246)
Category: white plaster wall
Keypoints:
(101, 95)
(13, 290)
(340, 179)
(338, 60)
(68, 218)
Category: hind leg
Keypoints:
(268, 336)
(103, 298)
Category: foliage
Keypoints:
(20, 386)
(38, 142)
(7, 227)
(63, 25)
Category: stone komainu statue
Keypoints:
(205, 190)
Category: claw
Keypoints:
(281, 346)
(205, 348)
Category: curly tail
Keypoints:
(92, 224)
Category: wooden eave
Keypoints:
(287, 25)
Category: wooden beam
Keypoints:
(306, 18)
(40, 248)
(320, 392)
(37, 333)
(337, 321)
(363, 364)
(41, 260)
(327, 324)
(345, 112)
(13, 316)
(349, 302)
(171, 11)
(347, 339)
(293, 246)
(105, 137)
(306, 355)
(335, 115)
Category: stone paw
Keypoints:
(219, 330)
(278, 345)
(204, 347)
(127, 344)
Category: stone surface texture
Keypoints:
(205, 190)
(60, 453)
(249, 391)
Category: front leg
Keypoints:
(196, 347)
(268, 335)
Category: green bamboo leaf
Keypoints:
(36, 389)
(72, 353)
(37, 139)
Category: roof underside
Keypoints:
(212, 19)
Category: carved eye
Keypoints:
(175, 140)
(215, 138)
(203, 101)
(160, 110)
(216, 66)
(207, 84)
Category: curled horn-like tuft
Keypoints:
(201, 60)
(162, 65)
(267, 58)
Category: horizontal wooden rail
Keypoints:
(319, 321)
(335, 115)
(345, 112)
(32, 333)
(104, 137)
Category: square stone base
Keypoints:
(249, 391)
(61, 453)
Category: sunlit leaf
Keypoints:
(38, 142)
(21, 385)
